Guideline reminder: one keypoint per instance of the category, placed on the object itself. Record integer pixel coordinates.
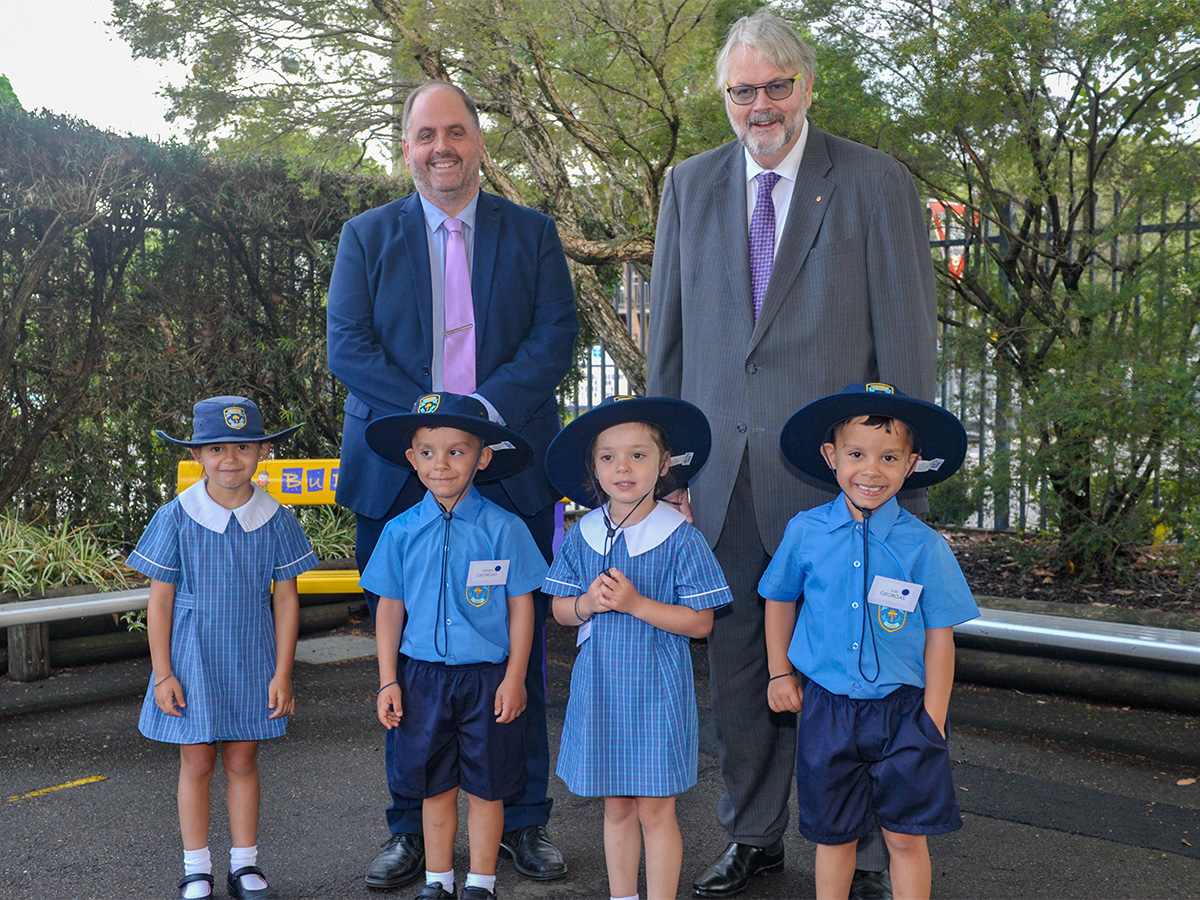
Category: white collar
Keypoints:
(789, 166)
(645, 535)
(207, 512)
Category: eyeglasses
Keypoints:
(744, 94)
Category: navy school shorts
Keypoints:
(448, 736)
(862, 759)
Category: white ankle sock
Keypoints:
(634, 897)
(446, 879)
(239, 858)
(483, 881)
(197, 862)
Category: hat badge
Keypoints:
(235, 417)
(429, 403)
(878, 387)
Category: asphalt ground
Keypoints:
(1060, 798)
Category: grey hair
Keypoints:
(420, 89)
(772, 37)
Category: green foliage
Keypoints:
(8, 97)
(1030, 116)
(34, 560)
(330, 530)
(138, 279)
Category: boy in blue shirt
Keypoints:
(874, 639)
(454, 626)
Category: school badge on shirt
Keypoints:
(894, 600)
(478, 594)
(481, 575)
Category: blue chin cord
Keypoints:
(866, 587)
(442, 630)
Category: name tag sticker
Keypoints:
(487, 571)
(585, 632)
(894, 593)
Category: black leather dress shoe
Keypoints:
(402, 860)
(734, 868)
(533, 855)
(434, 892)
(871, 885)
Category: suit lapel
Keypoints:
(729, 200)
(483, 262)
(412, 225)
(810, 199)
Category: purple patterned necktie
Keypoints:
(762, 239)
(458, 376)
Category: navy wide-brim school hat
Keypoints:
(226, 420)
(391, 436)
(942, 438)
(684, 425)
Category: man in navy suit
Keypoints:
(386, 303)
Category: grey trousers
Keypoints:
(756, 747)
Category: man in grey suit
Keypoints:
(769, 292)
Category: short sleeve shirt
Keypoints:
(821, 558)
(447, 619)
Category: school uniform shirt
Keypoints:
(821, 558)
(631, 727)
(467, 622)
(222, 563)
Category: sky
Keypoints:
(59, 55)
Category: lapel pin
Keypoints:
(818, 198)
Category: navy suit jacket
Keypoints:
(380, 339)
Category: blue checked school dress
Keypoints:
(631, 726)
(222, 563)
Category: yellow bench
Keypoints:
(294, 482)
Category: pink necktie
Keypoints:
(458, 375)
(762, 239)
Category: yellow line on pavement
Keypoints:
(59, 787)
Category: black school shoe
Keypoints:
(533, 854)
(401, 860)
(435, 891)
(478, 893)
(188, 879)
(234, 882)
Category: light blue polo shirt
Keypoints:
(472, 626)
(821, 558)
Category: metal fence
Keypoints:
(977, 393)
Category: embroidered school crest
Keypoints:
(429, 403)
(235, 417)
(477, 594)
(891, 619)
(878, 387)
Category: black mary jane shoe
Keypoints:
(234, 882)
(435, 891)
(189, 879)
(733, 869)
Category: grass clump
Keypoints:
(34, 560)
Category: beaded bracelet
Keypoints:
(388, 685)
(165, 678)
(784, 675)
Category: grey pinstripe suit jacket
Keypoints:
(851, 299)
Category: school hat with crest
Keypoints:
(225, 420)
(684, 425)
(941, 437)
(391, 436)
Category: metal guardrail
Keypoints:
(1131, 645)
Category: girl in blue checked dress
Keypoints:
(638, 581)
(221, 642)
